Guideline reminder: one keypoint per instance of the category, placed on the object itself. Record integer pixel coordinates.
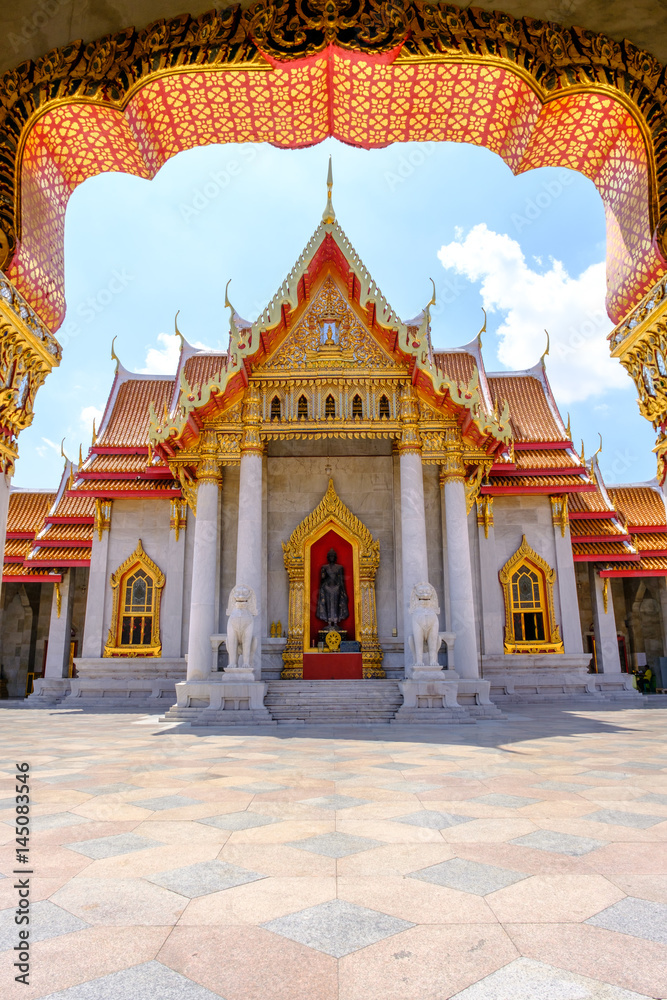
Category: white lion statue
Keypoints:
(424, 611)
(241, 611)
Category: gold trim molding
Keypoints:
(331, 512)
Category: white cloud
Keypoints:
(88, 414)
(572, 309)
(164, 360)
(42, 450)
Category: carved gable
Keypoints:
(329, 334)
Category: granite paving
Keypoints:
(517, 859)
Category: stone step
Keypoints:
(333, 702)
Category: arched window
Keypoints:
(357, 406)
(527, 581)
(135, 622)
(329, 406)
(275, 408)
(302, 408)
(384, 408)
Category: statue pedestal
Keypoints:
(233, 698)
(432, 696)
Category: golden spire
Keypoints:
(94, 434)
(328, 215)
(80, 456)
(568, 428)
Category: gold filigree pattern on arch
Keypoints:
(535, 92)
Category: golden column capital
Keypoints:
(410, 441)
(209, 469)
(251, 442)
(452, 468)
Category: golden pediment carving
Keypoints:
(328, 336)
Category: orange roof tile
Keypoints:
(112, 486)
(200, 368)
(18, 569)
(642, 505)
(117, 463)
(530, 414)
(610, 548)
(646, 541)
(596, 526)
(55, 554)
(27, 509)
(533, 481)
(127, 426)
(589, 502)
(655, 563)
(17, 547)
(547, 458)
(459, 365)
(61, 532)
(72, 506)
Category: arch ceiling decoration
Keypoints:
(293, 72)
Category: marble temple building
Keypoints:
(331, 519)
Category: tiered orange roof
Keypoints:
(63, 539)
(27, 509)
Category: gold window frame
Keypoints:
(138, 560)
(527, 556)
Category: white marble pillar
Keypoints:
(206, 551)
(493, 612)
(566, 585)
(60, 628)
(249, 556)
(98, 579)
(604, 625)
(461, 599)
(414, 552)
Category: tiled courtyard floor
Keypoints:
(516, 860)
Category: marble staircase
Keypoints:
(348, 702)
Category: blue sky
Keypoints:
(530, 249)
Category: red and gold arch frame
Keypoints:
(292, 72)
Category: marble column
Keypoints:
(459, 568)
(414, 551)
(493, 611)
(98, 580)
(206, 553)
(604, 625)
(566, 582)
(249, 559)
(60, 628)
(249, 554)
(5, 483)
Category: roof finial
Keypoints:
(114, 356)
(600, 448)
(483, 330)
(177, 331)
(94, 434)
(80, 455)
(546, 349)
(568, 428)
(328, 215)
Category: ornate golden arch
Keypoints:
(331, 512)
(527, 556)
(138, 560)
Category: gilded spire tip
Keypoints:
(328, 215)
(177, 331)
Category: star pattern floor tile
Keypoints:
(203, 878)
(519, 859)
(337, 928)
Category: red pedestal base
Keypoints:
(332, 666)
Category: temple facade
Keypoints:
(331, 501)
